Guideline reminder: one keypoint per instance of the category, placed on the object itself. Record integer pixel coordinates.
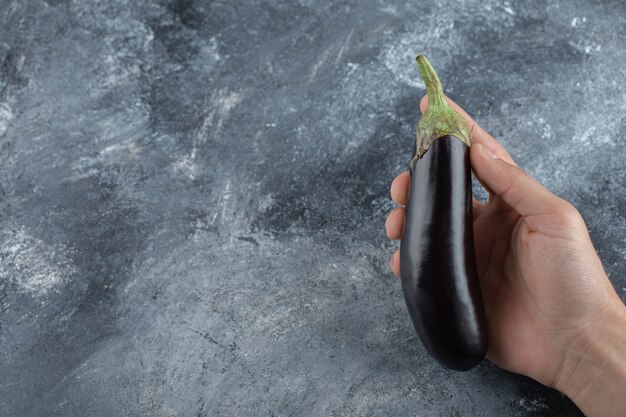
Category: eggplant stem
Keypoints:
(439, 119)
(432, 82)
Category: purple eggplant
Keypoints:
(437, 260)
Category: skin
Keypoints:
(552, 312)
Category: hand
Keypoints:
(551, 309)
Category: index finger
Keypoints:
(400, 188)
(479, 135)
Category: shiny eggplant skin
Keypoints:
(437, 261)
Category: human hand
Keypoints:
(552, 312)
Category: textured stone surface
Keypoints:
(192, 195)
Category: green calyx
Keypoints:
(439, 119)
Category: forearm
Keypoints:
(594, 371)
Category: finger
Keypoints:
(394, 264)
(400, 188)
(514, 186)
(479, 135)
(395, 223)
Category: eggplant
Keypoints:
(437, 260)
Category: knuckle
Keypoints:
(569, 215)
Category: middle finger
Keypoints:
(395, 223)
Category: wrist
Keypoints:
(593, 374)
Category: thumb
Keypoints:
(509, 182)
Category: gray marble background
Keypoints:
(192, 195)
